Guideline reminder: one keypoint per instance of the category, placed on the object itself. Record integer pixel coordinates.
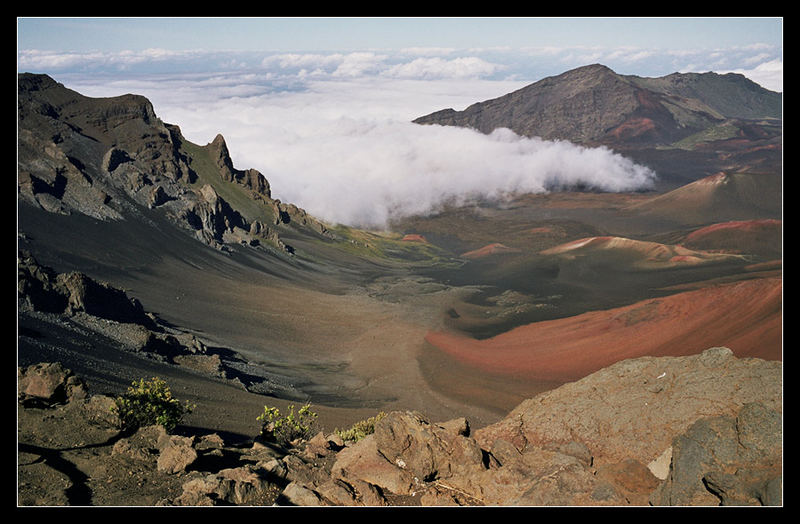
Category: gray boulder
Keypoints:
(727, 460)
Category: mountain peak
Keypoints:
(593, 105)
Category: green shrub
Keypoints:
(285, 429)
(360, 429)
(149, 403)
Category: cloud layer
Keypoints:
(760, 62)
(362, 172)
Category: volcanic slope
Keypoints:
(720, 197)
(684, 126)
(745, 316)
(586, 279)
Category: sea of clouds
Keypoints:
(332, 132)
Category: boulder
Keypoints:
(337, 492)
(100, 299)
(177, 454)
(144, 444)
(428, 451)
(727, 460)
(362, 461)
(295, 494)
(635, 408)
(243, 485)
(49, 383)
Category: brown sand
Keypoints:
(357, 351)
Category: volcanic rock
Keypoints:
(49, 383)
(110, 157)
(177, 454)
(684, 126)
(41, 289)
(727, 460)
(635, 408)
(249, 178)
(584, 443)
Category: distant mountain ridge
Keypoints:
(593, 106)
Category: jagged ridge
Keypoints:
(106, 157)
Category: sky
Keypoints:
(323, 106)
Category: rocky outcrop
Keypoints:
(624, 435)
(85, 312)
(41, 289)
(114, 159)
(635, 408)
(93, 156)
(723, 434)
(730, 460)
(249, 178)
(291, 214)
(107, 310)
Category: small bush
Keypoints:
(360, 429)
(285, 429)
(150, 402)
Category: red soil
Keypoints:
(633, 128)
(746, 226)
(744, 316)
(491, 249)
(414, 238)
(641, 253)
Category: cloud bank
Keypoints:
(361, 173)
(761, 63)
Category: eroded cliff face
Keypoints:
(114, 159)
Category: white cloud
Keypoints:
(359, 64)
(768, 74)
(60, 60)
(463, 67)
(363, 172)
(759, 58)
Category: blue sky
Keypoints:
(348, 34)
(526, 48)
(323, 107)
